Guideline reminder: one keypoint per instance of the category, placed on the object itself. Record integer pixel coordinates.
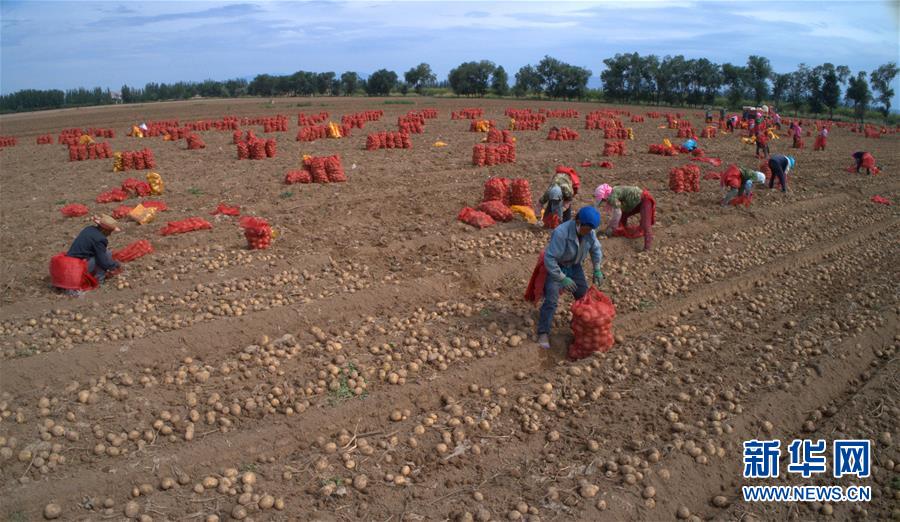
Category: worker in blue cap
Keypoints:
(569, 244)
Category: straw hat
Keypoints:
(106, 222)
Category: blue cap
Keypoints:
(588, 216)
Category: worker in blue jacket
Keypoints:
(570, 244)
(92, 244)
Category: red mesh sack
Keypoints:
(297, 176)
(334, 169)
(495, 189)
(133, 251)
(497, 210)
(573, 175)
(606, 165)
(628, 232)
(731, 177)
(139, 161)
(316, 167)
(550, 220)
(70, 273)
(185, 225)
(74, 210)
(881, 200)
(741, 200)
(109, 196)
(592, 317)
(473, 217)
(225, 210)
(257, 231)
(270, 148)
(149, 161)
(715, 162)
(520, 193)
(136, 187)
(127, 160)
(243, 151)
(868, 161)
(121, 211)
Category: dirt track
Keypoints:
(379, 338)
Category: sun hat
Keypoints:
(106, 222)
(602, 192)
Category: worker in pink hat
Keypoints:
(625, 202)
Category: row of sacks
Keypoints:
(319, 132)
(685, 179)
(70, 136)
(563, 134)
(561, 113)
(664, 149)
(618, 133)
(524, 114)
(388, 140)
(305, 120)
(360, 119)
(256, 149)
(498, 136)
(510, 192)
(428, 114)
(493, 154)
(467, 114)
(90, 152)
(526, 124)
(45, 139)
(410, 126)
(133, 160)
(277, 124)
(318, 169)
(503, 199)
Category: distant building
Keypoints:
(116, 97)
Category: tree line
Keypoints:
(629, 78)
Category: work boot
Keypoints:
(544, 341)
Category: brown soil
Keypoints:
(379, 338)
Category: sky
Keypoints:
(68, 44)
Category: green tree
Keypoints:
(261, 85)
(323, 82)
(349, 83)
(758, 71)
(736, 77)
(561, 80)
(797, 88)
(500, 82)
(528, 81)
(420, 77)
(830, 89)
(381, 82)
(858, 93)
(471, 78)
(780, 83)
(881, 83)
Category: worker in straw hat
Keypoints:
(92, 244)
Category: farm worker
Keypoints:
(689, 145)
(864, 159)
(92, 244)
(709, 115)
(732, 122)
(625, 202)
(560, 265)
(741, 183)
(557, 201)
(780, 165)
(821, 139)
(762, 141)
(797, 134)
